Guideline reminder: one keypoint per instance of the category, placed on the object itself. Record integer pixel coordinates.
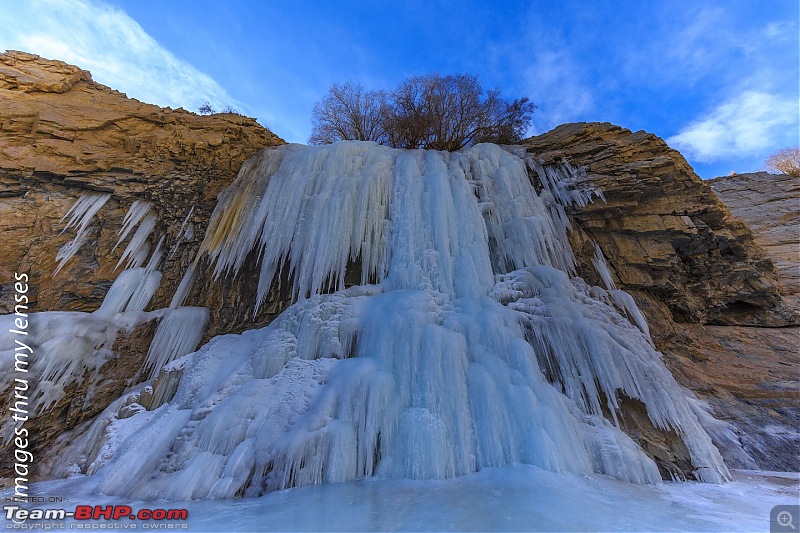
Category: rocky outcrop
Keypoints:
(748, 377)
(62, 135)
(666, 235)
(770, 206)
(701, 277)
(765, 359)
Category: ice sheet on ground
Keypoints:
(512, 498)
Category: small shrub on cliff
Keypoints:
(206, 109)
(431, 111)
(786, 161)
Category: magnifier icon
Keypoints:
(785, 519)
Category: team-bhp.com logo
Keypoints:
(17, 514)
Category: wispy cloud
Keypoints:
(544, 64)
(690, 49)
(745, 125)
(555, 85)
(110, 44)
(782, 30)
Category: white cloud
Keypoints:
(556, 86)
(781, 30)
(110, 44)
(746, 125)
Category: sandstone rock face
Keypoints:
(665, 234)
(699, 274)
(62, 135)
(748, 376)
(770, 206)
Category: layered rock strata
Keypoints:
(770, 206)
(63, 135)
(707, 284)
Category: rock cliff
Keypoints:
(770, 206)
(710, 294)
(62, 135)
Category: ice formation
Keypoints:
(66, 346)
(69, 347)
(622, 299)
(80, 215)
(138, 248)
(468, 343)
(185, 232)
(178, 334)
(136, 212)
(131, 291)
(600, 264)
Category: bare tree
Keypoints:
(431, 111)
(348, 112)
(509, 121)
(438, 112)
(786, 161)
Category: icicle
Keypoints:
(131, 291)
(138, 249)
(135, 213)
(519, 220)
(311, 207)
(569, 186)
(184, 233)
(142, 296)
(584, 343)
(155, 257)
(127, 283)
(625, 301)
(66, 346)
(80, 215)
(621, 299)
(182, 292)
(71, 345)
(725, 436)
(601, 266)
(178, 334)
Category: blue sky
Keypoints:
(717, 79)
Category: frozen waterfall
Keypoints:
(468, 344)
